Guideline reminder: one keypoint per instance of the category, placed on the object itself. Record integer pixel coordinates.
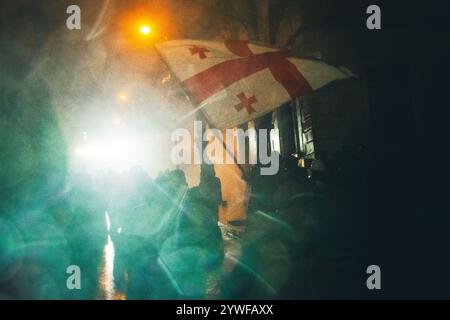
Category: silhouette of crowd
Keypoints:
(300, 239)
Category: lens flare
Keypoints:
(119, 151)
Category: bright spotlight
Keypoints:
(122, 96)
(79, 151)
(119, 152)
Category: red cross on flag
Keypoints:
(236, 81)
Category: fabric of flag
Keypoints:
(236, 81)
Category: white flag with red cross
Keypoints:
(236, 81)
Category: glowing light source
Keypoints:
(122, 96)
(79, 151)
(141, 27)
(120, 152)
(145, 29)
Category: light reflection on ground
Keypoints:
(232, 251)
(107, 287)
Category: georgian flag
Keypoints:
(236, 81)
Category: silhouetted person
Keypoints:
(197, 241)
(145, 226)
(263, 188)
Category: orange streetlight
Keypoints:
(141, 28)
(145, 29)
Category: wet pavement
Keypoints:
(232, 253)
